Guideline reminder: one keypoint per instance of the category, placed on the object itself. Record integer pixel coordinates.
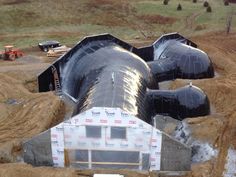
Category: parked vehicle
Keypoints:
(46, 45)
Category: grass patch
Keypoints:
(158, 19)
(26, 22)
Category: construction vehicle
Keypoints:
(10, 53)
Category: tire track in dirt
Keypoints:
(26, 67)
(190, 20)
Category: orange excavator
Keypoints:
(10, 53)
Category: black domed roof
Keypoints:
(192, 101)
(191, 62)
(188, 101)
(174, 59)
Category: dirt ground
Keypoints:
(25, 113)
(220, 127)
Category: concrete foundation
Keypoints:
(37, 151)
(175, 156)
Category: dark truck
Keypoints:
(46, 45)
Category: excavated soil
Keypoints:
(220, 127)
(24, 113)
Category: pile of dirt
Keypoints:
(24, 170)
(220, 127)
(21, 169)
(24, 114)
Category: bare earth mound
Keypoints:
(219, 128)
(23, 114)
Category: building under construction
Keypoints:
(114, 87)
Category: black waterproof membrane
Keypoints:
(188, 101)
(104, 74)
(177, 57)
(103, 71)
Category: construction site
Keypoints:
(151, 97)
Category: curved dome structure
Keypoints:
(103, 71)
(188, 101)
(103, 74)
(114, 87)
(174, 59)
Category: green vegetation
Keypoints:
(165, 2)
(208, 9)
(226, 2)
(26, 22)
(205, 4)
(193, 12)
(179, 7)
